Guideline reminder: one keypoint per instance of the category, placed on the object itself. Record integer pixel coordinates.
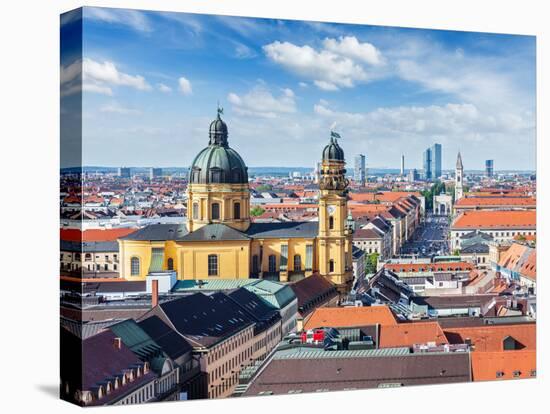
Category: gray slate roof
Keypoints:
(159, 232)
(292, 229)
(213, 232)
(88, 247)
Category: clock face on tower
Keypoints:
(331, 210)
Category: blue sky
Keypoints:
(152, 80)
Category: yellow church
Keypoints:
(219, 241)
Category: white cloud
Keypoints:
(260, 102)
(97, 77)
(164, 88)
(340, 64)
(132, 18)
(243, 51)
(116, 108)
(185, 86)
(349, 46)
(303, 84)
(106, 73)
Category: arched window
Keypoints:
(212, 265)
(195, 211)
(272, 263)
(297, 262)
(134, 266)
(255, 264)
(331, 266)
(170, 263)
(331, 223)
(237, 210)
(88, 256)
(215, 211)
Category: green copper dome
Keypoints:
(333, 151)
(218, 163)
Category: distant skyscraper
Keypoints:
(489, 168)
(436, 161)
(431, 161)
(124, 172)
(360, 174)
(402, 164)
(459, 178)
(413, 175)
(427, 164)
(155, 172)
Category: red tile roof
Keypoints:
(489, 338)
(350, 317)
(512, 219)
(496, 201)
(94, 235)
(409, 334)
(520, 258)
(501, 365)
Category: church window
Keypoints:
(309, 257)
(170, 263)
(212, 265)
(272, 263)
(134, 266)
(195, 211)
(297, 263)
(215, 211)
(331, 223)
(331, 266)
(237, 210)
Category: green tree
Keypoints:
(264, 187)
(437, 188)
(371, 263)
(256, 211)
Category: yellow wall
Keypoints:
(139, 249)
(233, 259)
(224, 194)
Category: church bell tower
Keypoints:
(335, 236)
(459, 178)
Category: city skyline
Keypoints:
(152, 83)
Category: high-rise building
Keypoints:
(489, 168)
(427, 164)
(459, 178)
(402, 164)
(155, 173)
(124, 172)
(360, 174)
(436, 161)
(432, 162)
(413, 175)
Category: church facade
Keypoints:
(219, 240)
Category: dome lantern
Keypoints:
(218, 163)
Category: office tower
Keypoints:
(427, 164)
(436, 161)
(402, 164)
(124, 172)
(489, 171)
(360, 173)
(155, 173)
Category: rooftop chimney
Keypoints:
(117, 343)
(154, 293)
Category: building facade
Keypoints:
(219, 240)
